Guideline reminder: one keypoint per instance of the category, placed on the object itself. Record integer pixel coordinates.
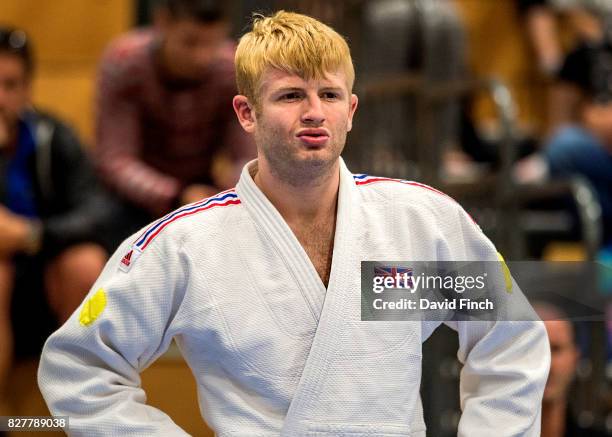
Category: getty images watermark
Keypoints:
(482, 290)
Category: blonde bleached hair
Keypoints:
(290, 42)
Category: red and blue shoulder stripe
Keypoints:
(364, 179)
(222, 199)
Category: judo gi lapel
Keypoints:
(326, 305)
(328, 334)
(270, 221)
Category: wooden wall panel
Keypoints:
(69, 30)
(68, 91)
(170, 386)
(68, 37)
(498, 47)
(168, 383)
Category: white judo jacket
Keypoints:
(274, 352)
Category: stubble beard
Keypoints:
(286, 166)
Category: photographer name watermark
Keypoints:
(482, 290)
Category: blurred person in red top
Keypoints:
(165, 133)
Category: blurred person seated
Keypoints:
(166, 134)
(49, 206)
(558, 419)
(581, 144)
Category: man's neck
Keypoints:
(553, 418)
(312, 201)
(309, 209)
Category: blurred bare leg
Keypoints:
(6, 333)
(70, 275)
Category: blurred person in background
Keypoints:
(581, 110)
(542, 20)
(541, 26)
(49, 204)
(558, 419)
(166, 134)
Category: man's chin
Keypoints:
(316, 161)
(317, 155)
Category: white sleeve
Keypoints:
(505, 363)
(90, 367)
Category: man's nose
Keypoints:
(313, 112)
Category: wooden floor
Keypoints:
(168, 383)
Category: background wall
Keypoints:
(498, 46)
(68, 38)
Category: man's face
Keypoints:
(190, 47)
(564, 357)
(14, 89)
(300, 126)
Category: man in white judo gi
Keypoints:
(260, 285)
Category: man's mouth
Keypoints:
(313, 137)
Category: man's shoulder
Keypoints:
(199, 220)
(401, 190)
(410, 199)
(43, 115)
(128, 51)
(199, 225)
(50, 128)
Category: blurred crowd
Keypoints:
(166, 135)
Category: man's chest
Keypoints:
(318, 243)
(177, 109)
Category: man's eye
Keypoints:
(290, 96)
(330, 95)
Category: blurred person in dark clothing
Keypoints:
(49, 204)
(558, 419)
(164, 114)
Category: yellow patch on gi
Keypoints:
(506, 270)
(93, 307)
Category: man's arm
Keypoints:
(541, 23)
(118, 143)
(505, 363)
(89, 368)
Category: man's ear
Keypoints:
(352, 108)
(245, 112)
